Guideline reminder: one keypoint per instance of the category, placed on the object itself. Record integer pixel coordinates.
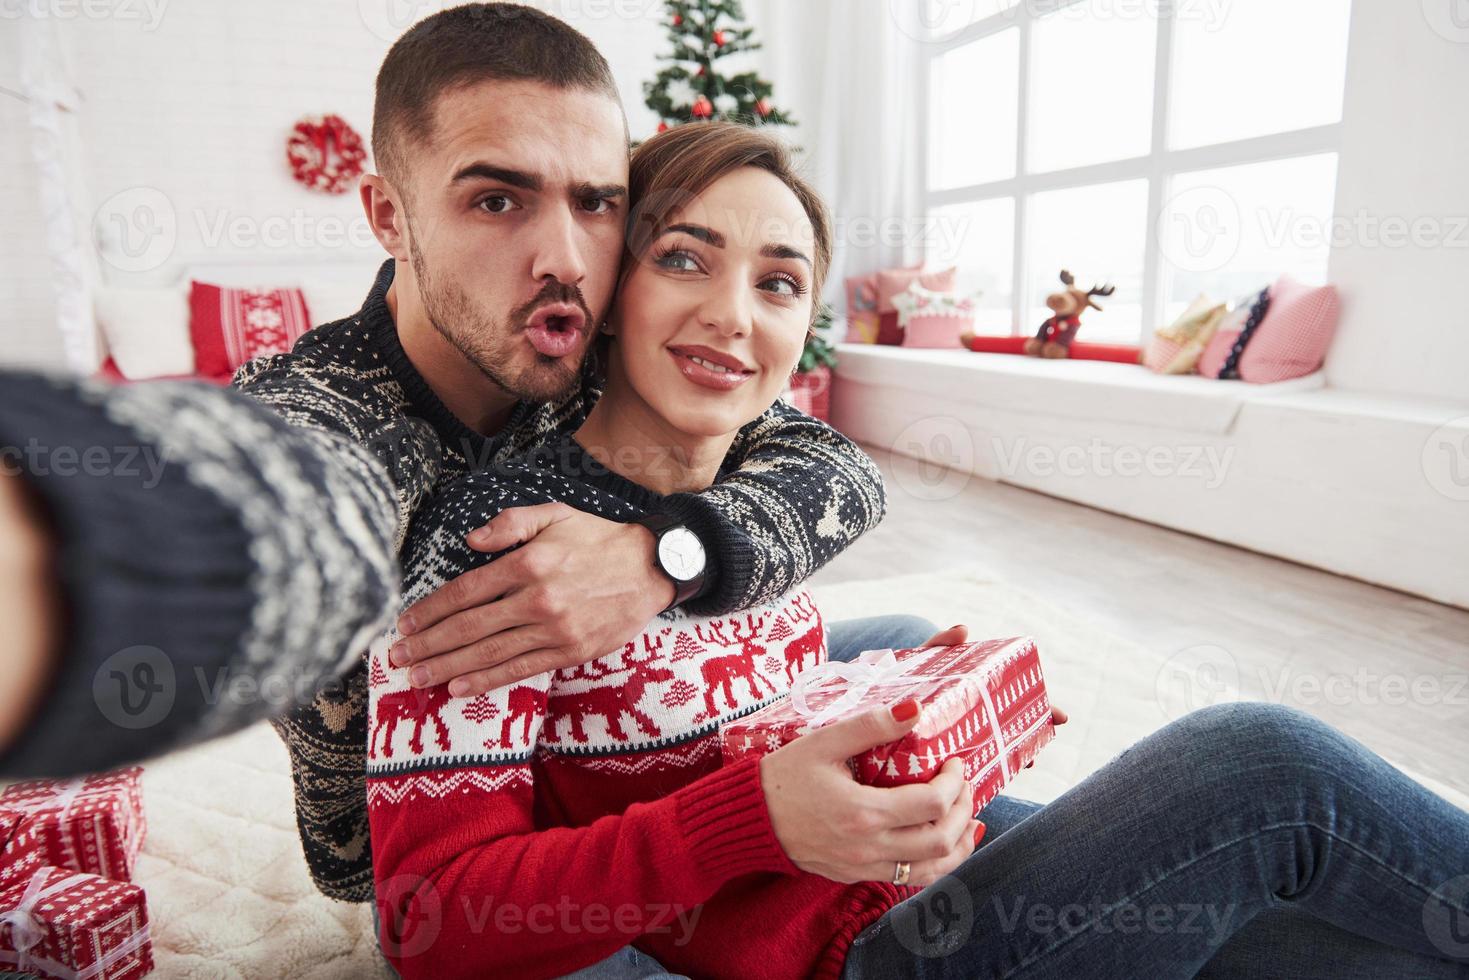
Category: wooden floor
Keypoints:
(1388, 668)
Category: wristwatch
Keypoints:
(677, 553)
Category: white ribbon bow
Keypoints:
(874, 668)
(26, 929)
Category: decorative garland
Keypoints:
(325, 154)
(1230, 371)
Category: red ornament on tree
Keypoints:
(702, 108)
(678, 20)
(663, 127)
(325, 154)
(763, 108)
(719, 39)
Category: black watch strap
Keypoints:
(683, 590)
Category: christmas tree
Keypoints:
(690, 89)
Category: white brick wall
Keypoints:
(188, 115)
(27, 336)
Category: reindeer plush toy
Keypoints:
(1056, 334)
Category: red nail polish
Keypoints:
(904, 710)
(978, 833)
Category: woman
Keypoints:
(536, 830)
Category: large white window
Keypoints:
(1170, 147)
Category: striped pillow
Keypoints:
(232, 326)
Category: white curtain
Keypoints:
(52, 105)
(847, 72)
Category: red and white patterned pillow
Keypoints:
(1291, 341)
(232, 326)
(891, 282)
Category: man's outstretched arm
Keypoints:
(209, 564)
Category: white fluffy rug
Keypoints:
(227, 886)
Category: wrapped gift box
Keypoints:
(59, 923)
(22, 854)
(93, 824)
(986, 702)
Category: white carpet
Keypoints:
(227, 886)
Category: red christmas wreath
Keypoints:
(325, 154)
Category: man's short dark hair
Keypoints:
(466, 45)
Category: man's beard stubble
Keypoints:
(493, 347)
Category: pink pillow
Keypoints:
(891, 282)
(861, 294)
(1291, 341)
(1216, 352)
(232, 326)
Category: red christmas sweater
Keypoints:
(535, 830)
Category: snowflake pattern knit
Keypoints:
(797, 492)
(555, 821)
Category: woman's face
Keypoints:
(710, 323)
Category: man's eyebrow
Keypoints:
(599, 190)
(488, 171)
(785, 252)
(700, 232)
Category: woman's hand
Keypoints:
(831, 825)
(28, 606)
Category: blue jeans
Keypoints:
(844, 640)
(1243, 840)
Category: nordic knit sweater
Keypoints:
(202, 545)
(537, 829)
(267, 546)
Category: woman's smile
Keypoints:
(710, 368)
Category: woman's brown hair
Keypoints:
(675, 166)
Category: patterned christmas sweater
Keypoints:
(537, 829)
(795, 494)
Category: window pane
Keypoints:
(1097, 233)
(979, 239)
(933, 20)
(1233, 231)
(1252, 67)
(1092, 84)
(973, 101)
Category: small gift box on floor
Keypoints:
(56, 922)
(92, 824)
(985, 702)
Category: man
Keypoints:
(501, 197)
(502, 157)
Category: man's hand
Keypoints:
(28, 606)
(579, 588)
(831, 825)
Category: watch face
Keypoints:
(681, 554)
